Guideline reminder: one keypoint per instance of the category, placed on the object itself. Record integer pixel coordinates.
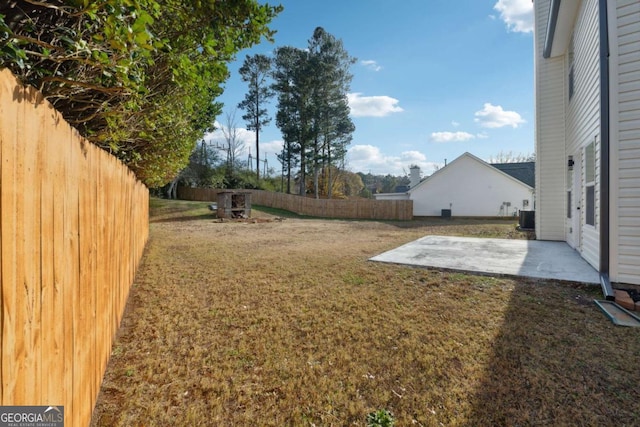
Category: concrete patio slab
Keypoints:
(527, 258)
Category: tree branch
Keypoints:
(110, 90)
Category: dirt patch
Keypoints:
(250, 220)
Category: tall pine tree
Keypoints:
(313, 112)
(255, 71)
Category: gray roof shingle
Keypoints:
(522, 171)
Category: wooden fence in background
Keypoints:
(324, 208)
(73, 228)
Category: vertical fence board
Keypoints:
(68, 272)
(90, 222)
(20, 286)
(85, 307)
(4, 113)
(102, 319)
(9, 117)
(30, 255)
(52, 259)
(50, 340)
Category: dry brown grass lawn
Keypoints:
(286, 323)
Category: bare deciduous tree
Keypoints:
(233, 145)
(511, 157)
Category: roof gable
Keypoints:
(468, 155)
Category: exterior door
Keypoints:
(574, 203)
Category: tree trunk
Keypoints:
(172, 191)
(289, 174)
(316, 173)
(303, 172)
(316, 170)
(257, 133)
(257, 156)
(303, 179)
(329, 183)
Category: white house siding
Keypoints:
(469, 187)
(550, 89)
(624, 25)
(391, 196)
(583, 117)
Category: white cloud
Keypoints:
(372, 106)
(517, 14)
(367, 158)
(371, 64)
(413, 156)
(217, 136)
(451, 136)
(455, 124)
(493, 116)
(271, 147)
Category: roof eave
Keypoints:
(562, 15)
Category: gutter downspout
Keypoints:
(551, 28)
(605, 283)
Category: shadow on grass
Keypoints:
(280, 212)
(557, 360)
(208, 216)
(452, 222)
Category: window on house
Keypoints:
(571, 69)
(590, 187)
(569, 183)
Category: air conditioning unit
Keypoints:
(527, 220)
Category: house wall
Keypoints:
(391, 196)
(470, 188)
(624, 30)
(551, 157)
(583, 120)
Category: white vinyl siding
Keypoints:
(391, 196)
(582, 117)
(583, 120)
(551, 92)
(470, 187)
(625, 141)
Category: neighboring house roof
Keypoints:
(469, 155)
(523, 171)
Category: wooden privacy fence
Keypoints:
(324, 208)
(73, 228)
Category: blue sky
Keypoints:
(433, 79)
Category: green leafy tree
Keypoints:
(138, 78)
(201, 170)
(255, 71)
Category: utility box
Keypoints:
(446, 213)
(234, 204)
